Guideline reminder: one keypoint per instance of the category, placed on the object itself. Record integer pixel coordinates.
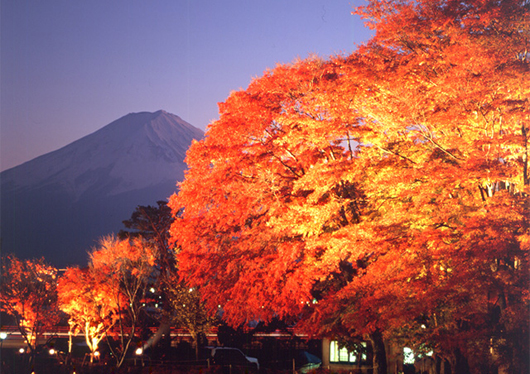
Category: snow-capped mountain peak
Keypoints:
(133, 152)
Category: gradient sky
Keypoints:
(69, 68)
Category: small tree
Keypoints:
(88, 300)
(152, 224)
(182, 305)
(28, 293)
(189, 311)
(127, 268)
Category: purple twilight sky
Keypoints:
(69, 68)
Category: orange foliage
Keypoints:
(382, 191)
(89, 302)
(28, 293)
(126, 267)
(108, 294)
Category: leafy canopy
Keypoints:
(384, 191)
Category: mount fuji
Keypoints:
(58, 205)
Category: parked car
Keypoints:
(234, 357)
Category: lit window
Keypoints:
(408, 356)
(341, 354)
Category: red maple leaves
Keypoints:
(407, 160)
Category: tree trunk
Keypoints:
(379, 359)
(461, 366)
(197, 348)
(438, 365)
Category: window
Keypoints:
(341, 354)
(408, 356)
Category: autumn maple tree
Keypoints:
(28, 293)
(126, 267)
(382, 194)
(448, 102)
(90, 304)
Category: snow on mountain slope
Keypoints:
(57, 205)
(137, 150)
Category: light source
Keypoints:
(3, 336)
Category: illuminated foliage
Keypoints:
(126, 267)
(380, 194)
(89, 302)
(28, 293)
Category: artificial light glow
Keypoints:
(152, 290)
(52, 351)
(408, 356)
(21, 350)
(3, 335)
(139, 351)
(96, 353)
